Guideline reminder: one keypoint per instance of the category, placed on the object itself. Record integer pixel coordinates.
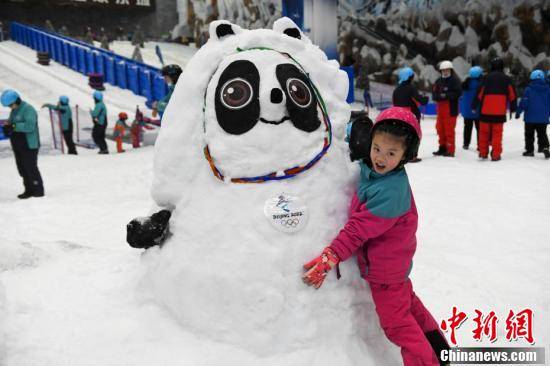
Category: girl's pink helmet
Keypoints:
(401, 114)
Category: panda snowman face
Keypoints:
(262, 115)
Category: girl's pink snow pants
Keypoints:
(405, 320)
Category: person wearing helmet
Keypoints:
(119, 130)
(495, 93)
(446, 92)
(22, 128)
(99, 118)
(535, 102)
(171, 74)
(66, 115)
(406, 95)
(471, 116)
(381, 232)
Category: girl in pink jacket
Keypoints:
(381, 233)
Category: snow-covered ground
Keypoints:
(70, 291)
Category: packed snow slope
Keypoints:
(71, 290)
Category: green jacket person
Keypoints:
(22, 128)
(66, 115)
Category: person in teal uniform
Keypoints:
(99, 118)
(22, 128)
(66, 115)
(171, 74)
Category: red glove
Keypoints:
(318, 268)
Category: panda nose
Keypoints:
(276, 95)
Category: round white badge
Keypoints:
(286, 213)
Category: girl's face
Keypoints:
(386, 152)
(446, 73)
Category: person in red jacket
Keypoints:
(446, 92)
(495, 93)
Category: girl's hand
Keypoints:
(318, 268)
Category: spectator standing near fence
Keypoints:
(22, 128)
(446, 92)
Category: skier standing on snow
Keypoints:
(446, 92)
(66, 121)
(536, 105)
(99, 118)
(119, 130)
(171, 74)
(22, 128)
(381, 231)
(495, 93)
(406, 96)
(470, 87)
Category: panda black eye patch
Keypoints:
(237, 97)
(301, 102)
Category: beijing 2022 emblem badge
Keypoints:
(286, 213)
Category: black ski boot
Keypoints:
(528, 153)
(546, 153)
(438, 343)
(145, 232)
(442, 150)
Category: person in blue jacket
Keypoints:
(470, 87)
(535, 104)
(22, 128)
(66, 115)
(99, 118)
(171, 74)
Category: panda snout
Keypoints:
(276, 95)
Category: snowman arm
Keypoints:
(361, 226)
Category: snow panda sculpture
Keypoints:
(252, 159)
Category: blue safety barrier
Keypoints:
(90, 64)
(66, 54)
(82, 60)
(123, 72)
(74, 56)
(110, 76)
(132, 75)
(99, 63)
(144, 76)
(159, 87)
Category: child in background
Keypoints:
(536, 104)
(66, 121)
(406, 96)
(470, 87)
(381, 231)
(119, 129)
(446, 92)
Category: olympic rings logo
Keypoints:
(290, 223)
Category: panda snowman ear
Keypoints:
(286, 26)
(221, 29)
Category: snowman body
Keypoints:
(252, 158)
